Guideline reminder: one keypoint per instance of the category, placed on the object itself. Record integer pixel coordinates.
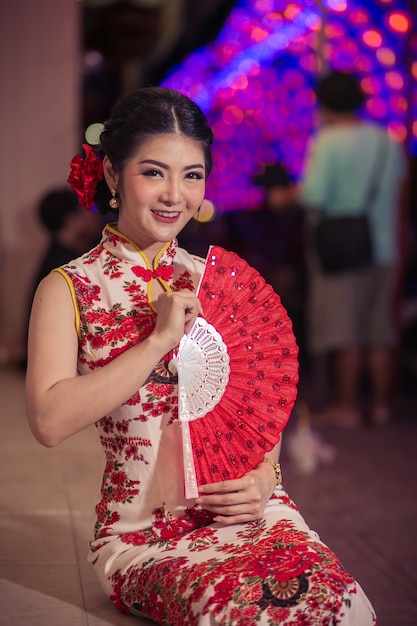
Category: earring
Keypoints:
(114, 202)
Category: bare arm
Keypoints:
(61, 403)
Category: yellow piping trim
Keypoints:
(112, 228)
(158, 256)
(74, 300)
(161, 280)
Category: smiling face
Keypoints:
(160, 189)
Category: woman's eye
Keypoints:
(195, 175)
(152, 173)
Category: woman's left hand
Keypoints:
(241, 499)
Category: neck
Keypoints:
(333, 118)
(149, 251)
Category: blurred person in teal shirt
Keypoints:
(351, 315)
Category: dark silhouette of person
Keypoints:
(72, 231)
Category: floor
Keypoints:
(363, 503)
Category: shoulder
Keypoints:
(331, 134)
(394, 147)
(55, 283)
(377, 132)
(53, 297)
(80, 265)
(329, 139)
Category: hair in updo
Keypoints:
(147, 112)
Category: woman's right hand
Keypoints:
(177, 311)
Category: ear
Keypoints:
(112, 179)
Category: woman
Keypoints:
(240, 553)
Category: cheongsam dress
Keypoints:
(157, 554)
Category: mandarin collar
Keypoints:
(126, 250)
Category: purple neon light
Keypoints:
(255, 83)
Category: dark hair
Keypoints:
(340, 92)
(55, 206)
(141, 114)
(274, 175)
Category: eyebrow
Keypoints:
(163, 165)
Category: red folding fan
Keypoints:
(237, 373)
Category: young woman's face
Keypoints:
(160, 189)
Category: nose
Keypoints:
(172, 193)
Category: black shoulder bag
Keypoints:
(344, 243)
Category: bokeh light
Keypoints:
(372, 38)
(399, 22)
(386, 56)
(394, 80)
(337, 5)
(256, 82)
(397, 130)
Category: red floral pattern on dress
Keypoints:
(93, 255)
(166, 529)
(108, 333)
(183, 282)
(116, 487)
(276, 575)
(283, 577)
(112, 268)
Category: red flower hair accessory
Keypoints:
(85, 175)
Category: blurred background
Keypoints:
(250, 64)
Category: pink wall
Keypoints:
(40, 69)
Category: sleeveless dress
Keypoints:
(157, 554)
